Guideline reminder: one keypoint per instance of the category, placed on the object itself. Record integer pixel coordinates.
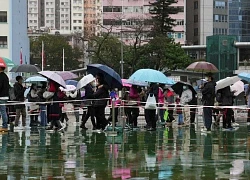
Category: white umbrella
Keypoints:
(54, 77)
(85, 80)
(238, 87)
(68, 88)
(226, 82)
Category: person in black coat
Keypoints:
(193, 109)
(20, 108)
(208, 97)
(90, 112)
(102, 95)
(227, 97)
(150, 114)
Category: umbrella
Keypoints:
(2, 63)
(35, 79)
(85, 80)
(54, 77)
(226, 82)
(125, 83)
(178, 87)
(26, 68)
(202, 66)
(152, 76)
(244, 76)
(201, 82)
(7, 61)
(68, 88)
(66, 75)
(137, 83)
(71, 82)
(111, 77)
(238, 87)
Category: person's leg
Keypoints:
(18, 114)
(85, 118)
(225, 118)
(192, 114)
(116, 114)
(229, 117)
(181, 118)
(76, 112)
(43, 115)
(66, 117)
(161, 113)
(97, 115)
(4, 114)
(135, 115)
(208, 117)
(103, 120)
(153, 119)
(147, 118)
(248, 116)
(92, 116)
(171, 112)
(23, 112)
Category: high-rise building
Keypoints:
(92, 17)
(132, 14)
(205, 18)
(13, 30)
(239, 19)
(65, 16)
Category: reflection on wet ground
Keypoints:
(168, 153)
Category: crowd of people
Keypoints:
(48, 101)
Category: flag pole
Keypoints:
(42, 55)
(63, 59)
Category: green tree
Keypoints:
(162, 21)
(53, 47)
(162, 53)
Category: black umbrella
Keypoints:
(28, 68)
(178, 87)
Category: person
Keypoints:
(170, 100)
(54, 108)
(63, 113)
(150, 114)
(133, 110)
(227, 100)
(186, 97)
(89, 91)
(33, 97)
(208, 96)
(100, 104)
(114, 96)
(248, 103)
(42, 106)
(179, 111)
(19, 94)
(161, 101)
(193, 103)
(4, 96)
(76, 97)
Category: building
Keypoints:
(92, 17)
(62, 16)
(129, 16)
(13, 30)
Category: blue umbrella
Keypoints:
(71, 82)
(137, 83)
(111, 77)
(244, 76)
(35, 79)
(152, 76)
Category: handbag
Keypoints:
(166, 116)
(151, 102)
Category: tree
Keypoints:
(53, 47)
(162, 21)
(162, 53)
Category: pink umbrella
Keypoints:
(125, 83)
(202, 66)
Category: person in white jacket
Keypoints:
(186, 97)
(33, 97)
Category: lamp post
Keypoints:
(122, 62)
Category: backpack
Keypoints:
(218, 97)
(12, 94)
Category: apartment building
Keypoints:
(92, 17)
(77, 15)
(13, 30)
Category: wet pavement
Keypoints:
(168, 153)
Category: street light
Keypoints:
(122, 62)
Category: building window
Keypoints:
(3, 16)
(196, 5)
(196, 31)
(195, 18)
(3, 42)
(220, 4)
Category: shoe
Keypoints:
(49, 128)
(235, 124)
(60, 129)
(18, 128)
(94, 128)
(3, 129)
(151, 129)
(205, 130)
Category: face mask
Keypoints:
(94, 84)
(184, 87)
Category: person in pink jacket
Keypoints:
(161, 101)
